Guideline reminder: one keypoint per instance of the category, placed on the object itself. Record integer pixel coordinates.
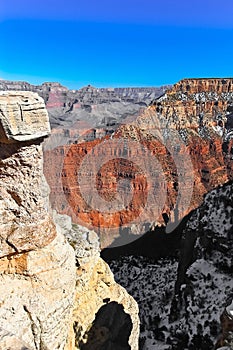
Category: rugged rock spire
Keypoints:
(24, 221)
(37, 266)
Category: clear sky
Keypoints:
(115, 42)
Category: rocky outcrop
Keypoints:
(54, 289)
(25, 223)
(193, 284)
(95, 288)
(19, 117)
(209, 85)
(37, 266)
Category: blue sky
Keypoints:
(115, 43)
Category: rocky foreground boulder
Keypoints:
(53, 294)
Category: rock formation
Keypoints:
(50, 292)
(37, 266)
(188, 131)
(95, 288)
(27, 224)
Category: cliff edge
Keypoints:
(53, 295)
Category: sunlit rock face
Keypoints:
(95, 290)
(187, 131)
(37, 265)
(208, 85)
(50, 290)
(24, 221)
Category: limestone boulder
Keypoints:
(23, 117)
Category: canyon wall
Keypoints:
(52, 293)
(89, 107)
(187, 133)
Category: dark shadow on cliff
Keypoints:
(110, 330)
(10, 148)
(153, 244)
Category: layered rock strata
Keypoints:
(89, 107)
(188, 131)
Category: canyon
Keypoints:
(186, 134)
(150, 186)
(89, 107)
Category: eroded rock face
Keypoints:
(193, 86)
(100, 289)
(37, 265)
(206, 257)
(40, 288)
(46, 302)
(95, 288)
(88, 107)
(208, 233)
(24, 222)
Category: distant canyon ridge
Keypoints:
(187, 129)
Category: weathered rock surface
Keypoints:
(23, 117)
(209, 85)
(50, 292)
(40, 288)
(95, 288)
(37, 266)
(24, 222)
(208, 233)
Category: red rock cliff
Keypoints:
(190, 122)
